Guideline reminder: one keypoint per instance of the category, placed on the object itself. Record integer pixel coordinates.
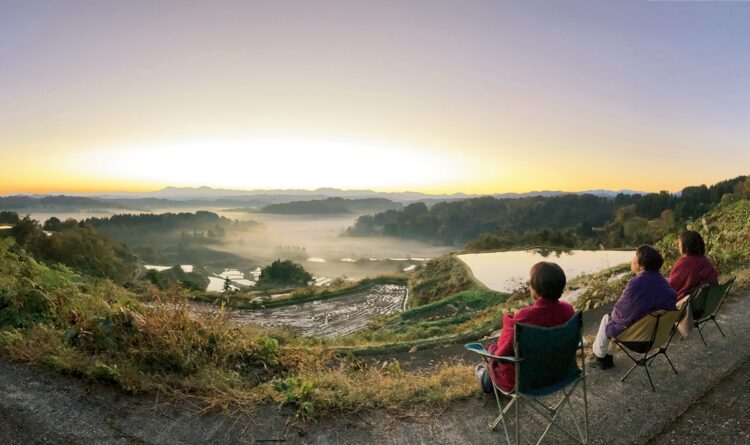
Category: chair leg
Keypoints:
(493, 425)
(669, 361)
(501, 417)
(628, 373)
(575, 422)
(585, 413)
(648, 374)
(549, 425)
(700, 331)
(518, 427)
(717, 325)
(551, 415)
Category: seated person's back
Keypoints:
(693, 268)
(547, 283)
(646, 292)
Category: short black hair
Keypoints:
(548, 280)
(649, 258)
(692, 242)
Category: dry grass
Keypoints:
(101, 332)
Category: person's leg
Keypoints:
(483, 377)
(487, 382)
(601, 344)
(602, 356)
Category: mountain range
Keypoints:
(210, 198)
(209, 193)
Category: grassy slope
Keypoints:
(437, 279)
(726, 230)
(101, 332)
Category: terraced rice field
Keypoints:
(329, 318)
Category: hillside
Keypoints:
(726, 230)
(331, 206)
(57, 203)
(570, 220)
(76, 245)
(175, 238)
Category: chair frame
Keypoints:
(647, 358)
(549, 413)
(700, 323)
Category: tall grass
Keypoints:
(101, 332)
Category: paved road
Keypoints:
(721, 416)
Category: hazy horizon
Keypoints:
(324, 188)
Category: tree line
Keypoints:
(574, 221)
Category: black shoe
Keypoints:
(602, 363)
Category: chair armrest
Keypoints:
(479, 349)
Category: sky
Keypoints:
(431, 96)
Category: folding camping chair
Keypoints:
(706, 304)
(650, 336)
(546, 362)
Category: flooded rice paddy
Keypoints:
(507, 271)
(334, 317)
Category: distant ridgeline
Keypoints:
(580, 221)
(168, 222)
(174, 238)
(56, 203)
(331, 206)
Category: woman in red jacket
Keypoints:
(547, 284)
(693, 268)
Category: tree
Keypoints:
(284, 272)
(9, 217)
(53, 224)
(585, 229)
(227, 284)
(26, 231)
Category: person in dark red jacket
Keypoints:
(693, 268)
(547, 284)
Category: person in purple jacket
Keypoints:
(646, 292)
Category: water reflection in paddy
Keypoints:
(507, 271)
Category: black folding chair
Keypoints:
(706, 304)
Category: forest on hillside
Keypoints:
(74, 244)
(331, 206)
(573, 221)
(171, 238)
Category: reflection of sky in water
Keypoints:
(506, 271)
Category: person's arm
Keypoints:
(676, 277)
(622, 311)
(713, 275)
(505, 342)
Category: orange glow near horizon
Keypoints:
(266, 164)
(416, 96)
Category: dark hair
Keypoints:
(548, 280)
(649, 258)
(692, 242)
